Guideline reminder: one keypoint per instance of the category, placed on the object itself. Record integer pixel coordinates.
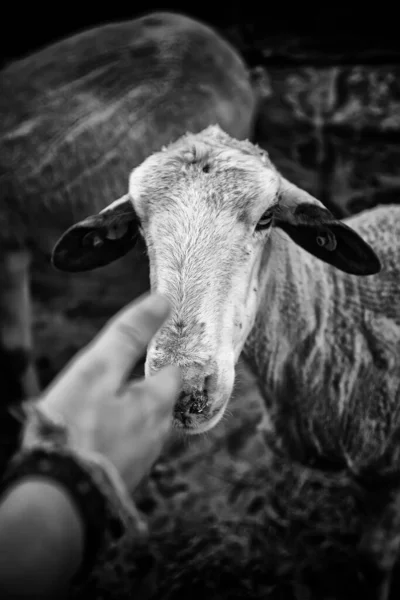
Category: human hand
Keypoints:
(126, 422)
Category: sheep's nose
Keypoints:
(198, 382)
(193, 403)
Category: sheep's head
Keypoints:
(206, 207)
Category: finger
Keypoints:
(124, 340)
(101, 365)
(146, 421)
(163, 388)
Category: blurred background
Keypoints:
(332, 120)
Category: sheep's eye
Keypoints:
(265, 220)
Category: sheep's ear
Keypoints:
(99, 239)
(314, 228)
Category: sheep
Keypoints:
(76, 116)
(253, 264)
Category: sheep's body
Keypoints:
(290, 531)
(77, 116)
(331, 345)
(325, 344)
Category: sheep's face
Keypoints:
(205, 212)
(205, 207)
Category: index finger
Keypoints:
(125, 338)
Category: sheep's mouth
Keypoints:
(194, 423)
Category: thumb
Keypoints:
(125, 338)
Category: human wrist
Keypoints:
(123, 528)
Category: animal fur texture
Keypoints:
(252, 263)
(78, 115)
(326, 345)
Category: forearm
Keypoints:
(81, 489)
(41, 540)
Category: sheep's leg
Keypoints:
(18, 376)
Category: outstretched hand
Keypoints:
(125, 421)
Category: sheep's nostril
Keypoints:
(193, 403)
(198, 402)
